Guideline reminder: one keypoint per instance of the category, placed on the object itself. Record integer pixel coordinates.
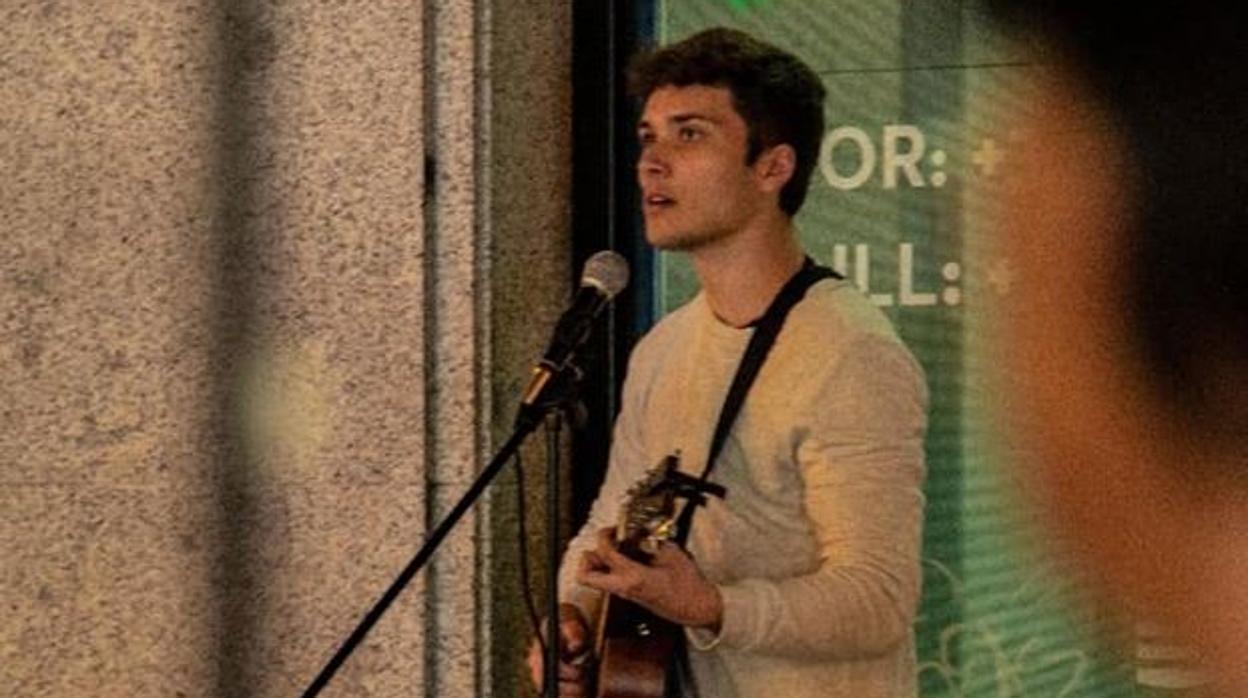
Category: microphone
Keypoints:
(605, 275)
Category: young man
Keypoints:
(804, 579)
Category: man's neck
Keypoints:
(743, 274)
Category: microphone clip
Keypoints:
(553, 388)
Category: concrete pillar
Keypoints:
(267, 269)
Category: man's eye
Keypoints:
(689, 134)
(645, 137)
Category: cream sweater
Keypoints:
(816, 546)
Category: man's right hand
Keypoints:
(573, 644)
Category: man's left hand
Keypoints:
(671, 585)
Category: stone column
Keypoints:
(267, 269)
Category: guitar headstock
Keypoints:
(648, 512)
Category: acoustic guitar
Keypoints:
(634, 647)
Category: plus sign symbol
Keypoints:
(987, 157)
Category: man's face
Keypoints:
(696, 186)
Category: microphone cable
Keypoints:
(526, 584)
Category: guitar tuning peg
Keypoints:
(665, 530)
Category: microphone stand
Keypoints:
(558, 393)
(559, 396)
(550, 664)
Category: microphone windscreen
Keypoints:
(606, 271)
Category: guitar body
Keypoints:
(634, 647)
(635, 650)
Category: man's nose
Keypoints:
(653, 161)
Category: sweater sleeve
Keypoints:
(626, 466)
(862, 466)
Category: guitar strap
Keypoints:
(766, 329)
(680, 679)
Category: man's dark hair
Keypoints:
(779, 97)
(1171, 77)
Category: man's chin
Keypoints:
(669, 241)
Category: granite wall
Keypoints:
(267, 283)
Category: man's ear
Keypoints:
(774, 167)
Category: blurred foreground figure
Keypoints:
(1127, 223)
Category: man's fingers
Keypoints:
(626, 583)
(571, 612)
(602, 581)
(571, 672)
(605, 539)
(609, 581)
(594, 561)
(571, 679)
(573, 636)
(616, 559)
(606, 546)
(605, 554)
(595, 571)
(606, 557)
(535, 664)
